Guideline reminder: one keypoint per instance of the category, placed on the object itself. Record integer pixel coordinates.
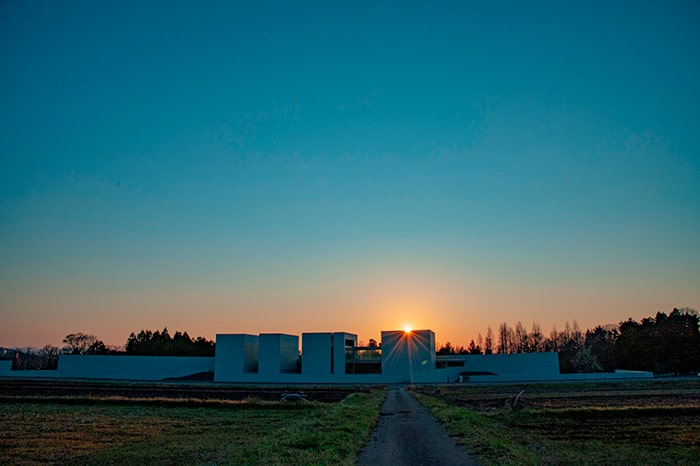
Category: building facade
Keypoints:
(401, 357)
(336, 358)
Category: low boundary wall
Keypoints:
(133, 367)
(118, 367)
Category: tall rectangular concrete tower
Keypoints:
(324, 354)
(317, 354)
(236, 354)
(408, 357)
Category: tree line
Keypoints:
(146, 342)
(663, 344)
(162, 344)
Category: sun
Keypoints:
(407, 329)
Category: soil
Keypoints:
(668, 394)
(202, 391)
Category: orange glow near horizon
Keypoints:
(407, 329)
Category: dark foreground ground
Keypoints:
(636, 422)
(179, 390)
(668, 392)
(647, 422)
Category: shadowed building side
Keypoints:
(408, 356)
(279, 354)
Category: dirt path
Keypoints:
(408, 434)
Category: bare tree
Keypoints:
(536, 337)
(49, 357)
(505, 335)
(520, 338)
(79, 343)
(577, 336)
(552, 343)
(473, 348)
(488, 342)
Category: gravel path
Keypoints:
(408, 434)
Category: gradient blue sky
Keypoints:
(319, 166)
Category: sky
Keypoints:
(250, 167)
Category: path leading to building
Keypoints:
(407, 434)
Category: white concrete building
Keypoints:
(326, 358)
(335, 357)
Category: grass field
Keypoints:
(165, 431)
(610, 423)
(631, 423)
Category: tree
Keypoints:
(552, 343)
(680, 341)
(488, 341)
(160, 343)
(26, 359)
(601, 343)
(569, 342)
(576, 335)
(81, 343)
(138, 344)
(536, 338)
(49, 357)
(629, 348)
(447, 348)
(473, 348)
(665, 343)
(585, 361)
(521, 342)
(98, 347)
(505, 336)
(662, 344)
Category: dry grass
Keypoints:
(556, 428)
(122, 431)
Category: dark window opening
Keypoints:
(445, 364)
(363, 367)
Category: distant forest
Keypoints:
(144, 343)
(664, 344)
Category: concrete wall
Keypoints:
(118, 367)
(585, 377)
(278, 359)
(278, 354)
(323, 355)
(5, 366)
(422, 356)
(617, 375)
(132, 367)
(408, 356)
(263, 359)
(317, 355)
(6, 371)
(514, 364)
(339, 347)
(236, 355)
(542, 366)
(289, 354)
